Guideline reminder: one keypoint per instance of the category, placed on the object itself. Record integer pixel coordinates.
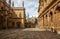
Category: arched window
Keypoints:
(46, 16)
(18, 24)
(58, 8)
(13, 24)
(20, 15)
(51, 15)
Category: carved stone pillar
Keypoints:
(41, 22)
(54, 17)
(48, 20)
(44, 21)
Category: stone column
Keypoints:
(45, 21)
(38, 23)
(41, 22)
(48, 19)
(54, 17)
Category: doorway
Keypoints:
(18, 24)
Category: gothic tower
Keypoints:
(10, 2)
(23, 4)
(28, 15)
(13, 4)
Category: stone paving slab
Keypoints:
(23, 34)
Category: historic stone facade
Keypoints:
(11, 17)
(19, 19)
(5, 14)
(49, 14)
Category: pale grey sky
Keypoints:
(31, 6)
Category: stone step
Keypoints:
(33, 29)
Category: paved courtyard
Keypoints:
(28, 33)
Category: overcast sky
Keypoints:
(31, 6)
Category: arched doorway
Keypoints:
(13, 24)
(58, 8)
(18, 24)
(51, 19)
(51, 16)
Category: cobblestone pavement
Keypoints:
(24, 34)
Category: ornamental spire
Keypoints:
(10, 2)
(23, 3)
(13, 4)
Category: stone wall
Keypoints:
(50, 15)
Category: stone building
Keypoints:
(10, 15)
(5, 14)
(31, 22)
(18, 20)
(49, 14)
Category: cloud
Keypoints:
(31, 6)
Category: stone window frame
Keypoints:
(51, 15)
(20, 14)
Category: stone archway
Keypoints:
(13, 24)
(18, 24)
